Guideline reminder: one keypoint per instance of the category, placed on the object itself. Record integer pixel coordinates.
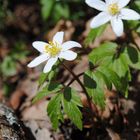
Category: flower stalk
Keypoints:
(82, 86)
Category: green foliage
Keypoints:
(42, 78)
(114, 63)
(8, 65)
(132, 57)
(93, 34)
(103, 55)
(95, 82)
(47, 90)
(112, 77)
(93, 85)
(54, 9)
(61, 11)
(47, 6)
(136, 5)
(19, 51)
(54, 110)
(48, 76)
(109, 67)
(70, 104)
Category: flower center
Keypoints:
(53, 48)
(113, 9)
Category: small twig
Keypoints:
(80, 74)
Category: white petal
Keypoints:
(117, 26)
(100, 19)
(38, 60)
(97, 4)
(111, 1)
(68, 55)
(128, 14)
(58, 37)
(49, 64)
(39, 45)
(70, 44)
(123, 3)
(108, 1)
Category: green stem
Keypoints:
(81, 84)
(80, 74)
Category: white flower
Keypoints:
(114, 11)
(53, 50)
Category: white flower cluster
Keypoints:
(111, 10)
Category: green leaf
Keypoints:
(120, 66)
(61, 11)
(104, 51)
(112, 76)
(52, 73)
(42, 78)
(70, 104)
(71, 95)
(93, 34)
(54, 110)
(133, 54)
(105, 80)
(132, 57)
(46, 9)
(110, 67)
(94, 88)
(47, 90)
(48, 76)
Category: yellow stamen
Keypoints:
(53, 48)
(113, 9)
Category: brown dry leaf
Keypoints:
(15, 99)
(1, 94)
(62, 25)
(29, 87)
(108, 35)
(3, 51)
(35, 112)
(110, 101)
(35, 118)
(113, 135)
(128, 105)
(80, 68)
(26, 90)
